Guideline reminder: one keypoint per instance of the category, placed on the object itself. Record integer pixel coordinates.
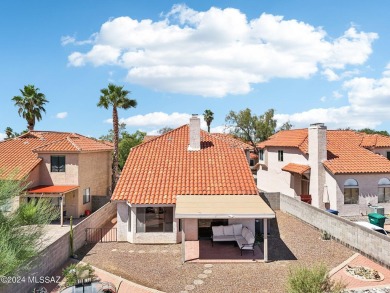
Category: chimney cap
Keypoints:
(194, 115)
(317, 125)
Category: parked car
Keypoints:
(372, 227)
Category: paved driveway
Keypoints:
(291, 243)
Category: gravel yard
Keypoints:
(291, 243)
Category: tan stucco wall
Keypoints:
(87, 170)
(69, 177)
(94, 173)
(71, 204)
(33, 177)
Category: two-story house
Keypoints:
(342, 170)
(67, 167)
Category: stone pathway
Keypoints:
(199, 281)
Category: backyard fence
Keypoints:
(95, 235)
(370, 243)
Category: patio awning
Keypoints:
(296, 168)
(52, 189)
(222, 207)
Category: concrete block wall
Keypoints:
(366, 241)
(55, 255)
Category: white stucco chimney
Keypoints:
(194, 133)
(317, 155)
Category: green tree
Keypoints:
(30, 105)
(208, 116)
(127, 142)
(21, 230)
(286, 126)
(372, 131)
(251, 128)
(9, 132)
(110, 135)
(116, 97)
(165, 130)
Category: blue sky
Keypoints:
(311, 61)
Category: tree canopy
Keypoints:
(30, 105)
(208, 117)
(250, 127)
(21, 229)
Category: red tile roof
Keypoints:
(52, 188)
(288, 138)
(149, 137)
(233, 141)
(347, 150)
(296, 168)
(158, 170)
(19, 155)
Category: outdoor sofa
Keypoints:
(236, 232)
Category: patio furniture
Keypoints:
(236, 232)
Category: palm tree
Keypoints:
(9, 132)
(116, 97)
(30, 105)
(208, 116)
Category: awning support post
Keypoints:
(183, 242)
(62, 210)
(265, 227)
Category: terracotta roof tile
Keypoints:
(19, 155)
(288, 138)
(158, 170)
(52, 188)
(296, 168)
(233, 141)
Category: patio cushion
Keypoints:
(228, 230)
(224, 238)
(250, 239)
(217, 230)
(244, 232)
(237, 228)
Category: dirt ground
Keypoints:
(291, 243)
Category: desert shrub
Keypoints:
(312, 280)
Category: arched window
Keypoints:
(384, 190)
(351, 191)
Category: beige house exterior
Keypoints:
(69, 168)
(340, 170)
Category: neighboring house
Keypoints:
(185, 178)
(342, 170)
(67, 167)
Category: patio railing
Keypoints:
(95, 235)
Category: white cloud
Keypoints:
(323, 99)
(330, 74)
(153, 122)
(337, 95)
(219, 51)
(66, 40)
(61, 115)
(154, 119)
(2, 136)
(369, 105)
